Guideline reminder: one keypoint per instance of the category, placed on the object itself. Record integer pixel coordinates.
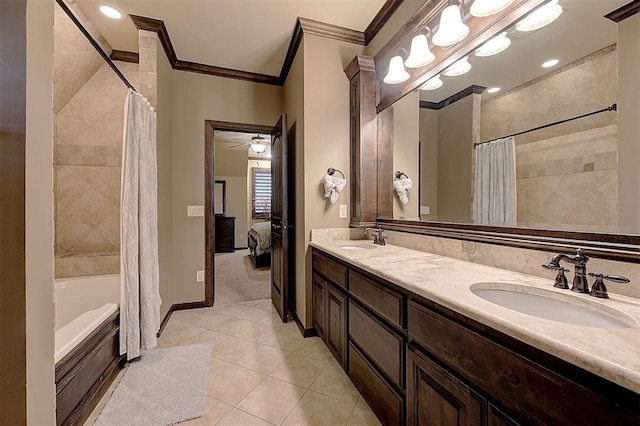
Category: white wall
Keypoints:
(326, 144)
(39, 214)
(406, 134)
(629, 124)
(196, 98)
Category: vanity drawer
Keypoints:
(385, 402)
(383, 346)
(532, 392)
(331, 269)
(386, 303)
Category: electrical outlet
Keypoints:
(199, 276)
(195, 211)
(343, 211)
(425, 210)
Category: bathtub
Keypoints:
(87, 355)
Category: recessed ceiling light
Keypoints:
(550, 63)
(493, 90)
(110, 11)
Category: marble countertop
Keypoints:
(610, 353)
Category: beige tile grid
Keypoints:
(264, 372)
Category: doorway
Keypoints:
(238, 226)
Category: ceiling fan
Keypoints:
(258, 144)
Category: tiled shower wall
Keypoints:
(89, 114)
(567, 175)
(88, 153)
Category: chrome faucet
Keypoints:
(378, 238)
(580, 283)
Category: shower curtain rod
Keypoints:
(94, 43)
(613, 107)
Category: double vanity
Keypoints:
(429, 339)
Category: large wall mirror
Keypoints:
(569, 177)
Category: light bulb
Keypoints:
(462, 66)
(550, 63)
(433, 83)
(397, 73)
(451, 29)
(420, 55)
(540, 17)
(494, 46)
(482, 8)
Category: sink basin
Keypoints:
(553, 306)
(368, 246)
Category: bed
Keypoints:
(259, 242)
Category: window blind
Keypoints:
(261, 192)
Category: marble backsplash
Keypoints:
(516, 259)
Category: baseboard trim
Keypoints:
(306, 332)
(179, 307)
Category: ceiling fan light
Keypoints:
(540, 17)
(451, 29)
(433, 83)
(420, 55)
(482, 8)
(397, 73)
(494, 46)
(461, 66)
(258, 148)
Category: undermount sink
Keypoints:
(553, 306)
(368, 246)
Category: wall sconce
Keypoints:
(433, 83)
(540, 17)
(451, 29)
(461, 66)
(494, 46)
(420, 55)
(397, 73)
(482, 8)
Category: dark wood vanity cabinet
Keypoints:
(335, 325)
(329, 304)
(436, 397)
(318, 307)
(225, 230)
(416, 362)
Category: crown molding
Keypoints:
(624, 12)
(303, 26)
(453, 98)
(381, 18)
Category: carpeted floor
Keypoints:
(166, 386)
(237, 280)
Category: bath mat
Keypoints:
(165, 387)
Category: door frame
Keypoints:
(210, 127)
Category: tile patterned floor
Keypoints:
(263, 372)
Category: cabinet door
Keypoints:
(436, 397)
(335, 323)
(318, 308)
(495, 417)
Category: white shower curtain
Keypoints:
(139, 281)
(495, 198)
